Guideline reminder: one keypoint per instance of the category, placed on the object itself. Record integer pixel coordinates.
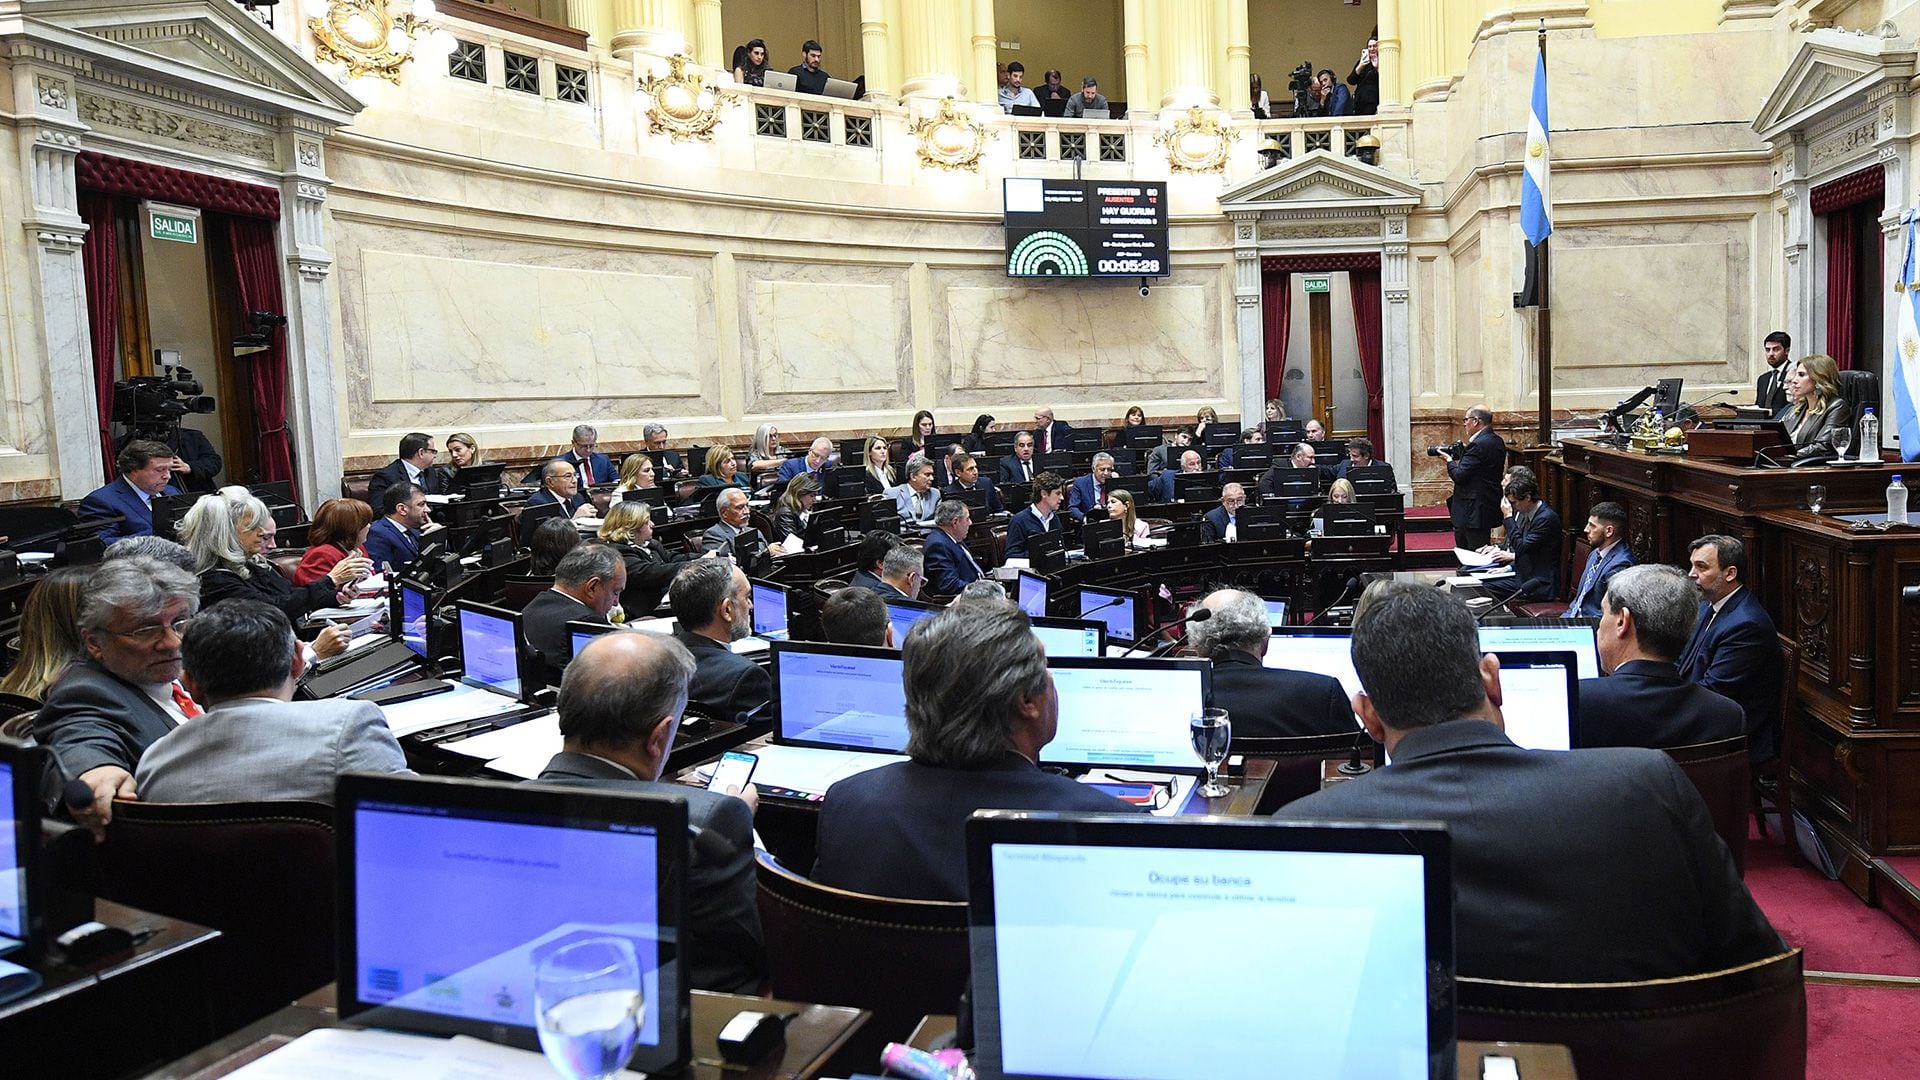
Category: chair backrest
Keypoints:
(901, 959)
(1296, 763)
(1861, 389)
(1578, 552)
(1789, 685)
(520, 591)
(1744, 1023)
(1719, 771)
(262, 873)
(287, 560)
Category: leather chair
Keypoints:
(1719, 771)
(1743, 1023)
(20, 724)
(286, 560)
(1296, 763)
(901, 959)
(1861, 390)
(1779, 771)
(1578, 552)
(355, 487)
(262, 873)
(520, 591)
(12, 705)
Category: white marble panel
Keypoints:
(816, 337)
(1649, 305)
(1065, 337)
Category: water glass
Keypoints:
(588, 999)
(1212, 734)
(1842, 441)
(1816, 497)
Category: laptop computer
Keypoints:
(1322, 650)
(490, 654)
(1054, 107)
(22, 923)
(903, 614)
(1130, 712)
(1096, 114)
(452, 892)
(1540, 699)
(1577, 638)
(841, 88)
(1026, 110)
(839, 697)
(769, 610)
(781, 80)
(1085, 929)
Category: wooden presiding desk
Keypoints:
(1852, 743)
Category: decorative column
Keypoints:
(986, 52)
(1388, 14)
(313, 407)
(1396, 340)
(1186, 68)
(1248, 319)
(876, 47)
(1426, 53)
(709, 41)
(1892, 139)
(1797, 241)
(657, 27)
(933, 57)
(1136, 31)
(1239, 41)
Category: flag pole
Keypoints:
(1545, 325)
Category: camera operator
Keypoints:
(1365, 79)
(1301, 82)
(152, 406)
(1474, 465)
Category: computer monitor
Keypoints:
(452, 892)
(1540, 699)
(1371, 480)
(1128, 713)
(1276, 612)
(1119, 610)
(1082, 923)
(1323, 650)
(21, 769)
(490, 653)
(1054, 107)
(1576, 638)
(903, 614)
(531, 517)
(580, 632)
(769, 610)
(1047, 551)
(848, 484)
(1666, 398)
(476, 481)
(1032, 592)
(1252, 456)
(1196, 487)
(1344, 519)
(1221, 433)
(843, 697)
(1285, 433)
(1103, 539)
(1287, 482)
(655, 497)
(1071, 637)
(1142, 437)
(411, 625)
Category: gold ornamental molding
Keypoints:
(950, 138)
(1197, 142)
(680, 104)
(369, 39)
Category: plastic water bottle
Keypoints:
(1896, 502)
(1869, 435)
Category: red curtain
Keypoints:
(1842, 253)
(100, 260)
(1366, 325)
(1276, 311)
(254, 249)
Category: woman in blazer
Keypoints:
(227, 531)
(650, 568)
(1815, 409)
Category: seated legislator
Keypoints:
(619, 706)
(723, 471)
(1040, 516)
(1169, 454)
(853, 616)
(921, 439)
(462, 450)
(1733, 650)
(586, 586)
(1222, 523)
(876, 465)
(1301, 457)
(795, 508)
(966, 477)
(1049, 434)
(1340, 494)
(414, 465)
(712, 608)
(1360, 456)
(1815, 409)
(974, 733)
(650, 567)
(592, 466)
(671, 465)
(550, 542)
(196, 463)
(765, 455)
(975, 441)
(1261, 701)
(1606, 535)
(146, 468)
(636, 474)
(1019, 468)
(870, 560)
(1647, 615)
(1090, 492)
(1252, 436)
(815, 464)
(1120, 508)
(948, 565)
(916, 499)
(339, 529)
(560, 483)
(733, 535)
(1161, 487)
(254, 742)
(49, 638)
(1579, 866)
(1533, 542)
(394, 541)
(151, 547)
(900, 574)
(104, 711)
(226, 532)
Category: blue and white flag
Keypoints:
(1536, 202)
(1906, 346)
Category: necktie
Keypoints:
(1046, 440)
(1587, 580)
(185, 702)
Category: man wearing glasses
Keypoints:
(106, 710)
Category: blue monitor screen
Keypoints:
(13, 876)
(581, 637)
(903, 616)
(854, 702)
(769, 610)
(489, 655)
(413, 619)
(1574, 638)
(1132, 714)
(1276, 612)
(1033, 595)
(1069, 640)
(1118, 616)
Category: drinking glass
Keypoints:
(1212, 734)
(1842, 441)
(1816, 495)
(588, 997)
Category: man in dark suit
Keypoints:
(1049, 434)
(589, 466)
(1734, 651)
(732, 535)
(1579, 866)
(560, 483)
(1770, 389)
(900, 575)
(966, 477)
(105, 711)
(1019, 468)
(712, 608)
(196, 463)
(1534, 535)
(414, 465)
(1089, 492)
(586, 585)
(1359, 456)
(854, 616)
(814, 464)
(1606, 535)
(668, 465)
(145, 468)
(948, 565)
(974, 733)
(1222, 523)
(1647, 614)
(1042, 515)
(1475, 502)
(620, 704)
(394, 540)
(1162, 485)
(1262, 701)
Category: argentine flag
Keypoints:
(1906, 347)
(1536, 204)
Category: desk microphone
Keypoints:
(76, 795)
(709, 844)
(1102, 607)
(1353, 766)
(1352, 583)
(1199, 614)
(1503, 602)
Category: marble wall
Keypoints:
(26, 459)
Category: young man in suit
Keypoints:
(146, 469)
(1606, 535)
(1019, 468)
(1647, 614)
(1733, 650)
(1770, 389)
(1090, 492)
(1049, 434)
(1262, 701)
(586, 586)
(1169, 454)
(1040, 516)
(1222, 523)
(1474, 505)
(395, 539)
(948, 565)
(255, 743)
(712, 608)
(966, 477)
(619, 707)
(414, 465)
(1585, 866)
(1359, 456)
(1534, 534)
(974, 733)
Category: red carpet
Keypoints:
(1823, 917)
(1862, 1033)
(1429, 541)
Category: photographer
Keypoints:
(1303, 85)
(1474, 465)
(1365, 79)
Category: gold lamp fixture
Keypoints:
(950, 139)
(371, 39)
(1197, 142)
(680, 103)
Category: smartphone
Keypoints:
(734, 770)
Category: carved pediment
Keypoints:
(1830, 72)
(1322, 180)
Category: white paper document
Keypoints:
(812, 769)
(366, 605)
(1472, 558)
(347, 1054)
(463, 702)
(521, 750)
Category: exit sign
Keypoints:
(1318, 284)
(180, 224)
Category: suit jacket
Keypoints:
(122, 499)
(1213, 526)
(1084, 495)
(1536, 553)
(1024, 525)
(318, 562)
(794, 466)
(650, 571)
(1271, 703)
(543, 622)
(193, 448)
(724, 947)
(1592, 586)
(1647, 703)
(1738, 656)
(265, 584)
(1164, 456)
(267, 750)
(544, 496)
(1770, 389)
(1161, 486)
(1475, 502)
(1060, 436)
(724, 683)
(879, 587)
(603, 470)
(1578, 866)
(947, 565)
(432, 481)
(904, 502)
(1011, 471)
(390, 545)
(983, 485)
(92, 717)
(901, 830)
(1815, 431)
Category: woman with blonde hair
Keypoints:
(226, 532)
(875, 457)
(722, 471)
(636, 474)
(1816, 412)
(1120, 508)
(1276, 409)
(49, 633)
(766, 454)
(650, 569)
(462, 450)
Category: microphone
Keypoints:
(1103, 607)
(76, 795)
(1194, 616)
(709, 844)
(1352, 583)
(1353, 766)
(1503, 602)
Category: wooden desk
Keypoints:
(812, 1038)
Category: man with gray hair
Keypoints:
(731, 534)
(1646, 615)
(899, 573)
(1261, 701)
(1089, 492)
(586, 586)
(713, 608)
(974, 733)
(1577, 866)
(620, 704)
(560, 483)
(815, 464)
(948, 564)
(151, 547)
(667, 463)
(106, 710)
(916, 499)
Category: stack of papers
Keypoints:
(463, 702)
(359, 609)
(812, 769)
(347, 1054)
(521, 750)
